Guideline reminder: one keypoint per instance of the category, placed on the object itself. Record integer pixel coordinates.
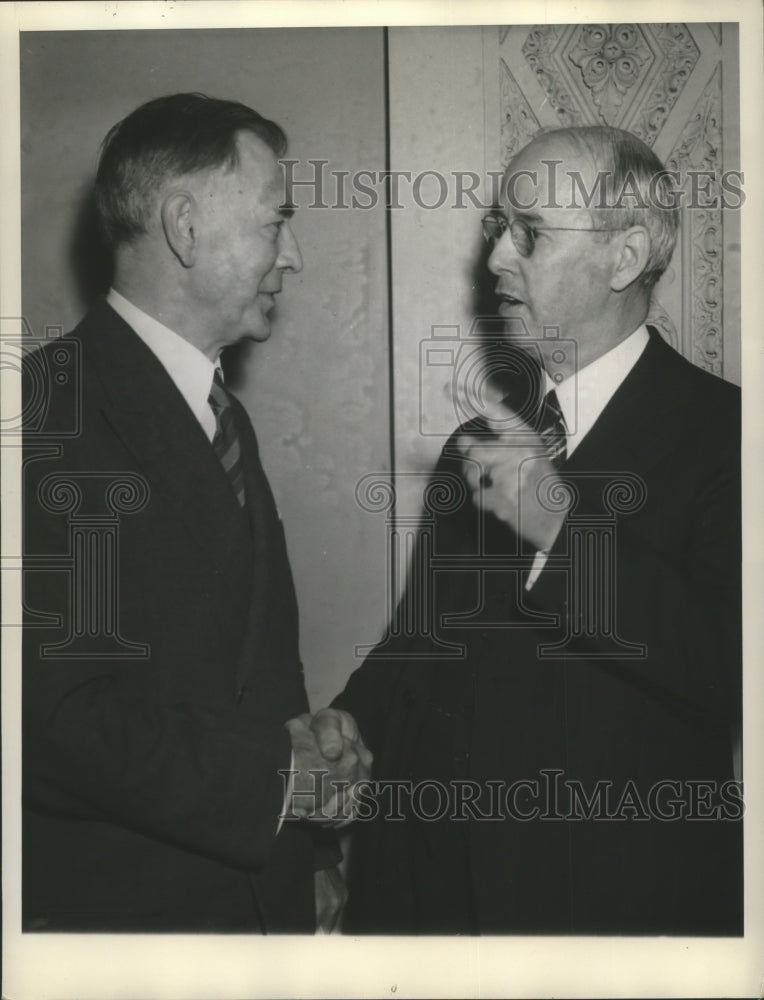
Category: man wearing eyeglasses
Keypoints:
(571, 771)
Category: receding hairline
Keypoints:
(553, 146)
(628, 167)
(568, 141)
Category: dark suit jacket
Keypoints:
(152, 746)
(505, 714)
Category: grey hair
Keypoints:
(637, 189)
(168, 137)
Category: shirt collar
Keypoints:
(585, 394)
(190, 370)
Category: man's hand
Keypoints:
(508, 476)
(326, 767)
(332, 727)
(331, 896)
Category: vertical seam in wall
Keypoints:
(389, 254)
(392, 596)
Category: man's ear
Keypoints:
(633, 250)
(178, 224)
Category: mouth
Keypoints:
(269, 299)
(508, 303)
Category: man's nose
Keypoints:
(503, 254)
(289, 258)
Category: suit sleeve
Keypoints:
(103, 750)
(375, 687)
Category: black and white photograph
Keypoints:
(381, 447)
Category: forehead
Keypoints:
(543, 175)
(258, 171)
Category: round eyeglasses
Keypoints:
(523, 234)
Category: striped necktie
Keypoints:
(552, 429)
(226, 439)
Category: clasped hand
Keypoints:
(329, 759)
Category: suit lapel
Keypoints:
(626, 437)
(629, 425)
(261, 513)
(150, 416)
(273, 599)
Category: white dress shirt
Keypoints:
(190, 370)
(585, 394)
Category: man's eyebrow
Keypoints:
(529, 217)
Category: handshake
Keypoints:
(328, 759)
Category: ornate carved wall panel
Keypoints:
(673, 85)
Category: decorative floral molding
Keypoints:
(539, 51)
(707, 343)
(679, 56)
(699, 148)
(611, 59)
(518, 122)
(627, 75)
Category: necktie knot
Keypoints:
(218, 397)
(552, 429)
(226, 439)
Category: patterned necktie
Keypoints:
(226, 439)
(552, 429)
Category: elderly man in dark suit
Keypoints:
(165, 726)
(572, 770)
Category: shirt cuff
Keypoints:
(287, 794)
(539, 561)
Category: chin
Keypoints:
(260, 335)
(517, 330)
(258, 328)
